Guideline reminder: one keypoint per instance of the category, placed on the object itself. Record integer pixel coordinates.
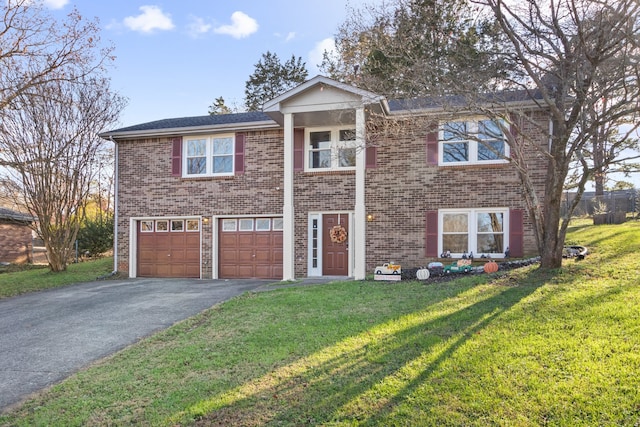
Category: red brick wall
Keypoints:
(146, 187)
(15, 242)
(399, 192)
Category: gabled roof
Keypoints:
(15, 216)
(366, 96)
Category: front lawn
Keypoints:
(523, 348)
(37, 278)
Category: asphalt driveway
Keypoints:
(46, 336)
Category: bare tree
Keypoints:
(576, 60)
(572, 55)
(51, 150)
(36, 50)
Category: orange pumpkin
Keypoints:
(491, 267)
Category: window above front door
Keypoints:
(330, 148)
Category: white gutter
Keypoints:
(190, 130)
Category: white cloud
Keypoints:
(242, 25)
(152, 18)
(290, 36)
(316, 55)
(198, 26)
(55, 4)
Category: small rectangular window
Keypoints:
(229, 225)
(146, 226)
(263, 224)
(278, 224)
(193, 225)
(197, 157)
(162, 225)
(177, 225)
(222, 155)
(246, 224)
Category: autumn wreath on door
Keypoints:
(338, 234)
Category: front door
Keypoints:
(335, 245)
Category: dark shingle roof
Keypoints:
(198, 121)
(426, 103)
(15, 216)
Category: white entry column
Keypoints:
(359, 220)
(288, 218)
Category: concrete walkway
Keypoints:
(46, 336)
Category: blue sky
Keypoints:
(173, 58)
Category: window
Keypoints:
(263, 224)
(278, 224)
(146, 226)
(331, 148)
(177, 225)
(481, 231)
(209, 156)
(162, 225)
(472, 142)
(193, 225)
(246, 224)
(229, 225)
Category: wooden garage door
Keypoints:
(169, 248)
(250, 248)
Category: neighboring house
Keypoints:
(292, 192)
(15, 237)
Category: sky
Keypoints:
(174, 58)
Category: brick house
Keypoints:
(294, 191)
(15, 237)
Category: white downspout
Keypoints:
(115, 208)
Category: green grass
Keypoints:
(523, 348)
(37, 278)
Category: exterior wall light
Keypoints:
(370, 217)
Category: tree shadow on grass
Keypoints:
(364, 377)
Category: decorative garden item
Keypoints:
(491, 267)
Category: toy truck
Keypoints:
(388, 268)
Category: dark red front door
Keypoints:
(335, 254)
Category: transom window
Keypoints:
(209, 156)
(472, 142)
(481, 231)
(330, 148)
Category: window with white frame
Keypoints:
(481, 231)
(330, 148)
(208, 155)
(477, 141)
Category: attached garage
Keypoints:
(168, 248)
(250, 248)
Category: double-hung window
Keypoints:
(481, 231)
(209, 156)
(472, 142)
(333, 148)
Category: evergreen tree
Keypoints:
(219, 107)
(271, 78)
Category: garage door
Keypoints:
(169, 248)
(250, 248)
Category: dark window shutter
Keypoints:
(432, 145)
(298, 149)
(431, 235)
(239, 160)
(516, 233)
(371, 157)
(176, 156)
